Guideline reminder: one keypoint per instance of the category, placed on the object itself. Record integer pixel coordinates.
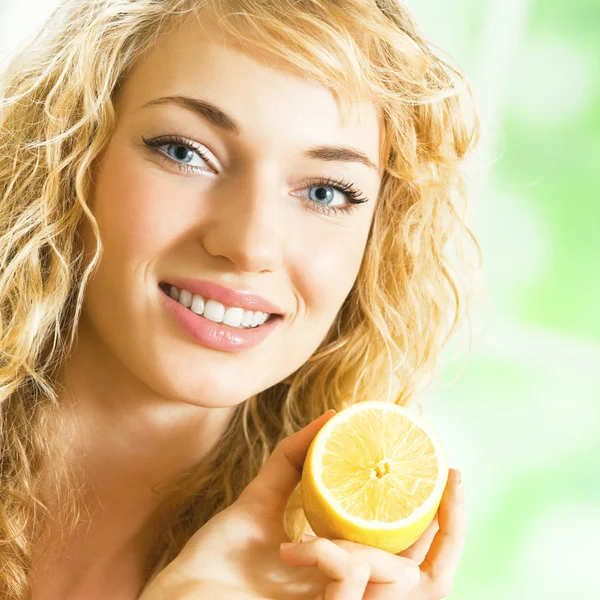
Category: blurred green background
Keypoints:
(522, 421)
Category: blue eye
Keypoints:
(327, 196)
(181, 153)
(324, 196)
(186, 156)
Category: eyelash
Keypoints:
(353, 195)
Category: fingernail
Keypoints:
(287, 546)
(460, 491)
(458, 483)
(307, 537)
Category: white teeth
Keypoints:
(185, 298)
(198, 305)
(214, 311)
(233, 316)
(217, 312)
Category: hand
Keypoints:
(424, 571)
(237, 553)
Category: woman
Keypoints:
(219, 219)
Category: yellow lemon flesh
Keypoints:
(374, 474)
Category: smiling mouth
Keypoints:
(218, 312)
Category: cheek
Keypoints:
(138, 209)
(329, 268)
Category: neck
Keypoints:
(124, 440)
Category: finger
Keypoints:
(442, 560)
(283, 470)
(353, 587)
(350, 577)
(418, 551)
(331, 560)
(385, 567)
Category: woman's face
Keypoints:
(244, 206)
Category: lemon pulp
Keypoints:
(374, 474)
(379, 466)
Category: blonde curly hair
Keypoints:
(411, 293)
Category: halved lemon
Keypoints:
(374, 474)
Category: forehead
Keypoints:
(264, 92)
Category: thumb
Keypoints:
(283, 470)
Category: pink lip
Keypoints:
(217, 335)
(226, 296)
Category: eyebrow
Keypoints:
(222, 120)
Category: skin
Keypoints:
(143, 401)
(243, 553)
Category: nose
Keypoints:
(245, 225)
